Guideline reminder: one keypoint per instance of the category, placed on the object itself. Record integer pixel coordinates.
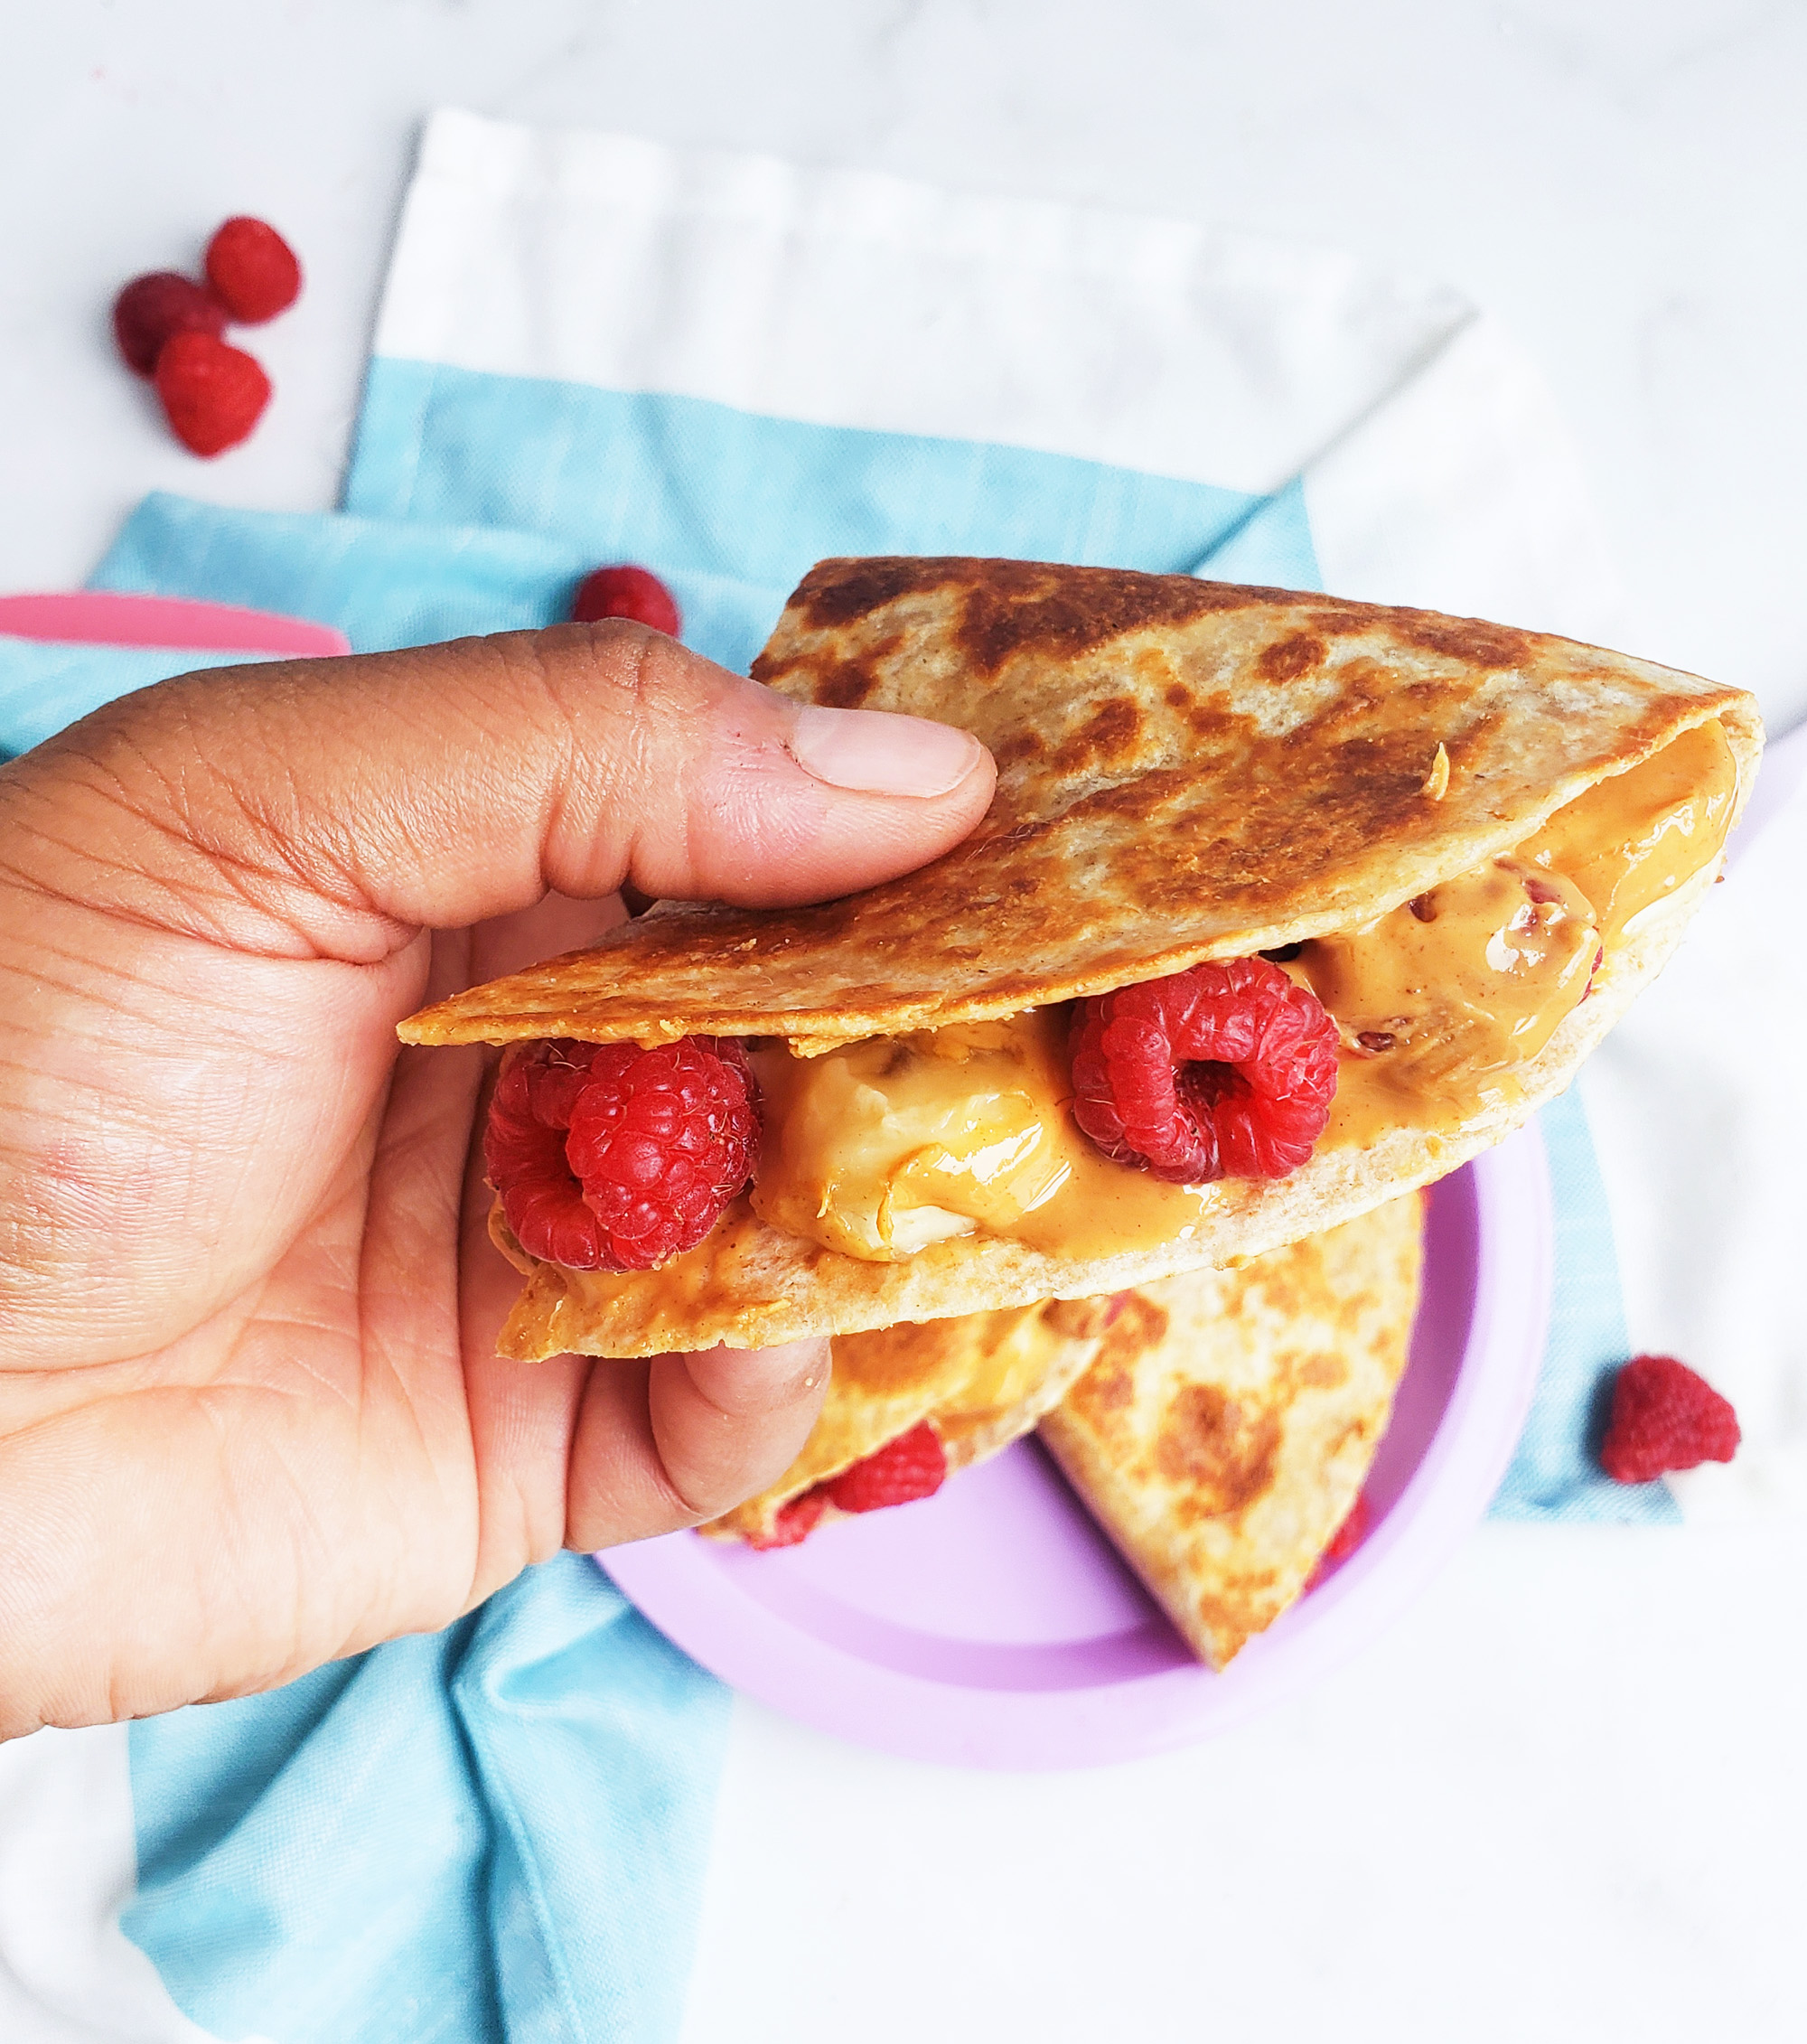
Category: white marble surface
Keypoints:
(1564, 1798)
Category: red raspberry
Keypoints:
(213, 395)
(914, 1465)
(1220, 1070)
(627, 592)
(609, 1157)
(153, 307)
(253, 270)
(795, 1521)
(1664, 1417)
(1344, 1542)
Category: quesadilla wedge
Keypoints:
(952, 1392)
(1433, 860)
(1222, 1435)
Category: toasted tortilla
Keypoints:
(981, 1381)
(1222, 1434)
(1186, 769)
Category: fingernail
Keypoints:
(880, 753)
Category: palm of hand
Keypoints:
(294, 1441)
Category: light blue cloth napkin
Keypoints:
(498, 1833)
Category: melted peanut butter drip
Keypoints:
(881, 1148)
(1441, 1003)
(1630, 841)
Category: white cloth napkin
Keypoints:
(1433, 465)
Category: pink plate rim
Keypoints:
(677, 1582)
(107, 617)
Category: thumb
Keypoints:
(447, 784)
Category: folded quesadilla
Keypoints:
(1284, 906)
(1218, 1424)
(1222, 1435)
(909, 1405)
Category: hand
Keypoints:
(250, 1413)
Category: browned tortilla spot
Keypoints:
(1223, 1456)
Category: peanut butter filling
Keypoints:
(1435, 1032)
(1630, 841)
(1438, 1002)
(879, 1148)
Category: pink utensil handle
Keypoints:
(102, 617)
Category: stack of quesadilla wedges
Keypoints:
(1472, 845)
(1218, 1425)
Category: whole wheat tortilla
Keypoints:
(1188, 770)
(1225, 1429)
(981, 1381)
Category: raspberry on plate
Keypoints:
(1344, 1542)
(794, 1523)
(625, 591)
(212, 394)
(153, 307)
(253, 270)
(611, 1157)
(914, 1465)
(1665, 1416)
(1222, 1071)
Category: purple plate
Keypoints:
(993, 1626)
